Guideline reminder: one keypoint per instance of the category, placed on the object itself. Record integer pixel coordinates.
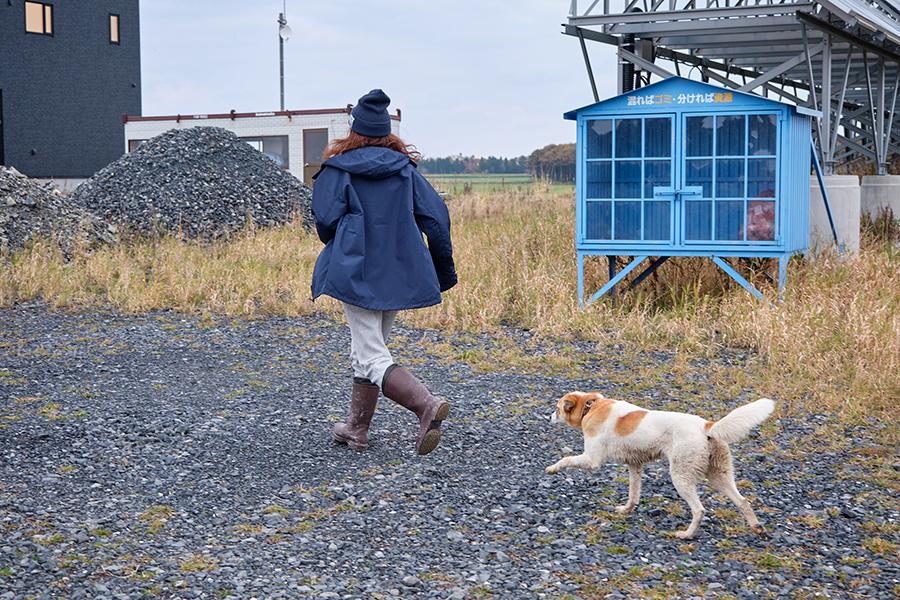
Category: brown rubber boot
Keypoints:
(403, 388)
(355, 431)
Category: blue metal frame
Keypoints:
(666, 99)
(718, 259)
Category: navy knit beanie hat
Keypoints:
(370, 116)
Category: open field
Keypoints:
(462, 184)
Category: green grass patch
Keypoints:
(878, 545)
(198, 564)
(276, 509)
(156, 517)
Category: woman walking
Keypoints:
(371, 207)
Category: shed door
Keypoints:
(730, 179)
(629, 179)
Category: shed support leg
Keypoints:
(612, 274)
(782, 275)
(737, 277)
(581, 280)
(648, 272)
(622, 274)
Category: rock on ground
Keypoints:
(166, 456)
(29, 209)
(200, 182)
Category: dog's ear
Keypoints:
(568, 405)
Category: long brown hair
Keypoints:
(355, 140)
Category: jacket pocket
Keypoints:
(350, 237)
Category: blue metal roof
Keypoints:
(679, 92)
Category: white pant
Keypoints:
(369, 331)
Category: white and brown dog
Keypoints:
(621, 432)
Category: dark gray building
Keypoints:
(69, 70)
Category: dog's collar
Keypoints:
(587, 408)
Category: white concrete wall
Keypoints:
(843, 196)
(336, 123)
(66, 186)
(880, 192)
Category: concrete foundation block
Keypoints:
(844, 198)
(879, 193)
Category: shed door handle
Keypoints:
(690, 192)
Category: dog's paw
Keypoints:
(760, 531)
(684, 535)
(554, 468)
(624, 509)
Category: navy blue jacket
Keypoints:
(371, 207)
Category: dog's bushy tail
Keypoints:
(735, 426)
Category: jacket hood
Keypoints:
(374, 162)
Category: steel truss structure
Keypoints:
(839, 57)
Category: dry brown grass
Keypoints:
(834, 341)
(266, 272)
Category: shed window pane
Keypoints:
(699, 138)
(628, 138)
(761, 177)
(598, 220)
(628, 221)
(763, 134)
(730, 178)
(698, 219)
(628, 179)
(599, 139)
(730, 136)
(656, 220)
(658, 137)
(698, 172)
(599, 180)
(656, 173)
(761, 220)
(114, 29)
(48, 18)
(730, 220)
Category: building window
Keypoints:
(275, 147)
(114, 29)
(39, 18)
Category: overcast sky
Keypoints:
(471, 76)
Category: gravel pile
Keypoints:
(29, 209)
(170, 457)
(202, 182)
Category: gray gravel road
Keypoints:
(174, 457)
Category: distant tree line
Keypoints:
(555, 162)
(452, 165)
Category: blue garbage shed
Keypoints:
(684, 168)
